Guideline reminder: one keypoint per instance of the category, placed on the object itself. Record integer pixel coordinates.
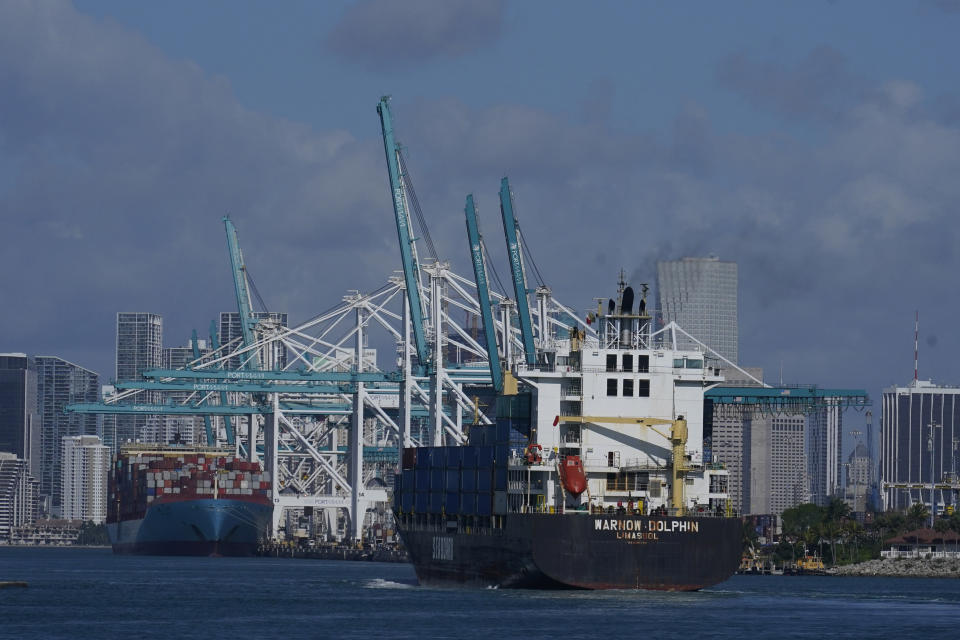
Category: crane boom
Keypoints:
(247, 321)
(483, 294)
(411, 270)
(519, 275)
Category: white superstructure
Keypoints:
(629, 404)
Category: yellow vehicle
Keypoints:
(810, 563)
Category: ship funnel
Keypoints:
(626, 307)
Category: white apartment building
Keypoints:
(85, 465)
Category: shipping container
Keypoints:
(436, 502)
(499, 503)
(452, 480)
(452, 502)
(422, 502)
(423, 480)
(484, 507)
(469, 457)
(485, 457)
(454, 457)
(484, 480)
(468, 503)
(468, 480)
(500, 478)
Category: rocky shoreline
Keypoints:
(902, 568)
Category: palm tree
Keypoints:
(837, 510)
(917, 515)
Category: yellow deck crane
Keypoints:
(677, 438)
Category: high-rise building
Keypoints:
(60, 383)
(824, 447)
(19, 421)
(272, 356)
(789, 484)
(184, 429)
(859, 479)
(85, 466)
(919, 432)
(139, 348)
(700, 294)
(19, 494)
(763, 453)
(727, 437)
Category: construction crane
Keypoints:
(483, 294)
(677, 437)
(515, 254)
(408, 254)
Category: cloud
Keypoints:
(120, 163)
(384, 35)
(818, 87)
(833, 238)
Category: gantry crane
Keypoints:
(515, 255)
(483, 294)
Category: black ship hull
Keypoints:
(577, 551)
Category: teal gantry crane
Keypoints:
(483, 294)
(515, 254)
(408, 255)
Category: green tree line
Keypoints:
(832, 533)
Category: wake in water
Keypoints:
(380, 583)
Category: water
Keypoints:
(90, 593)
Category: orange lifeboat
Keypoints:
(571, 473)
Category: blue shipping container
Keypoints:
(452, 503)
(423, 480)
(422, 502)
(485, 457)
(468, 503)
(484, 480)
(436, 480)
(406, 502)
(436, 502)
(438, 457)
(423, 458)
(468, 480)
(454, 457)
(408, 484)
(484, 505)
(453, 480)
(500, 479)
(469, 457)
(503, 430)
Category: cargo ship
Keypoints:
(175, 500)
(594, 474)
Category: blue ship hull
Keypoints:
(199, 527)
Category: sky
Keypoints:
(816, 144)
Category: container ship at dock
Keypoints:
(594, 474)
(187, 501)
